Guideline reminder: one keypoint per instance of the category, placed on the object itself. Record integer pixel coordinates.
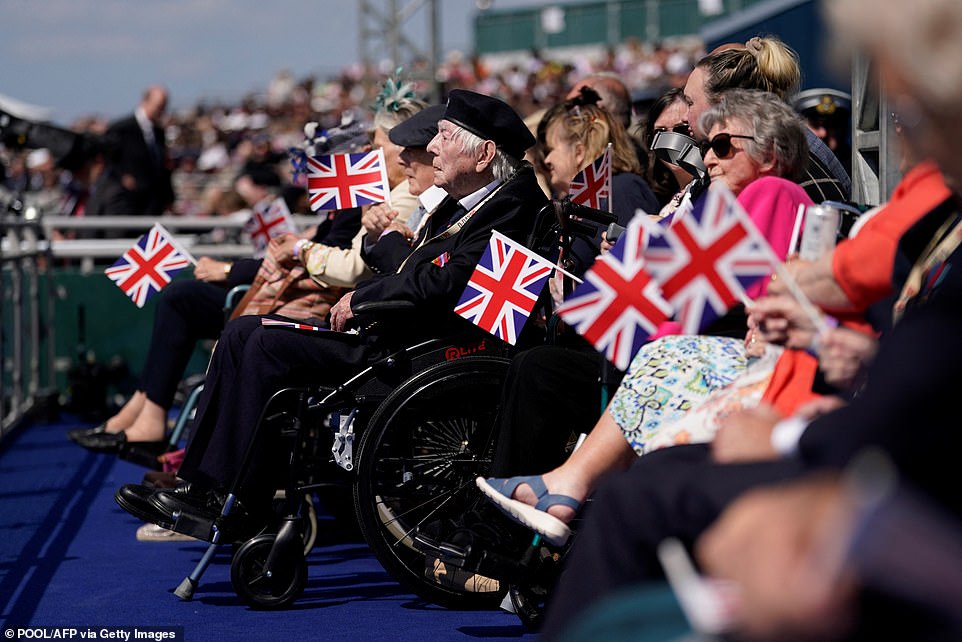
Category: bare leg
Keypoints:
(604, 451)
(128, 414)
(150, 425)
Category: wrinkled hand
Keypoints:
(781, 320)
(746, 435)
(406, 231)
(376, 219)
(281, 249)
(783, 546)
(794, 266)
(211, 271)
(843, 355)
(341, 313)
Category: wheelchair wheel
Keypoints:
(419, 457)
(256, 588)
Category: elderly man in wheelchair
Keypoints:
(236, 457)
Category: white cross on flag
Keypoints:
(504, 288)
(269, 219)
(149, 265)
(341, 181)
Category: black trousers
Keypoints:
(550, 392)
(674, 492)
(251, 363)
(187, 312)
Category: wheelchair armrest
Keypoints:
(371, 311)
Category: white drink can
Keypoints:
(820, 231)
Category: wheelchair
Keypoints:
(408, 435)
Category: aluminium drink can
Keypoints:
(820, 232)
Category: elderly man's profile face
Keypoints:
(454, 170)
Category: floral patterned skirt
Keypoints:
(667, 378)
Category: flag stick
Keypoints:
(796, 229)
(180, 248)
(810, 310)
(611, 191)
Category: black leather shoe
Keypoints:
(104, 442)
(190, 506)
(188, 496)
(77, 433)
(135, 499)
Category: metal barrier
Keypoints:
(26, 307)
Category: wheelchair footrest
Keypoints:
(488, 562)
(194, 526)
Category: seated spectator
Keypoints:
(669, 113)
(766, 64)
(299, 287)
(906, 409)
(572, 135)
(755, 139)
(477, 152)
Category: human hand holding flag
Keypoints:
(149, 265)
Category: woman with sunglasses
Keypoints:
(756, 144)
(572, 135)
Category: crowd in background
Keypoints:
(209, 143)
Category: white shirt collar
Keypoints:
(431, 198)
(474, 198)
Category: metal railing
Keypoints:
(88, 250)
(26, 307)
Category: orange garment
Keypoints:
(863, 266)
(791, 382)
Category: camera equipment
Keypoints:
(614, 232)
(69, 149)
(680, 150)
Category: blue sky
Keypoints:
(79, 57)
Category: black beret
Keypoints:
(419, 129)
(490, 119)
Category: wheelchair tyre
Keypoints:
(255, 588)
(418, 458)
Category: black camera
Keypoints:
(69, 149)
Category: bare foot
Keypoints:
(128, 414)
(150, 425)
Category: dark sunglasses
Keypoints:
(681, 128)
(721, 144)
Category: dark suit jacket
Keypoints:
(909, 407)
(435, 289)
(128, 153)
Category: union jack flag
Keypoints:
(591, 186)
(294, 325)
(341, 181)
(706, 259)
(504, 287)
(268, 220)
(619, 305)
(149, 265)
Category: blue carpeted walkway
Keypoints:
(69, 558)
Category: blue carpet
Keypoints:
(69, 558)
